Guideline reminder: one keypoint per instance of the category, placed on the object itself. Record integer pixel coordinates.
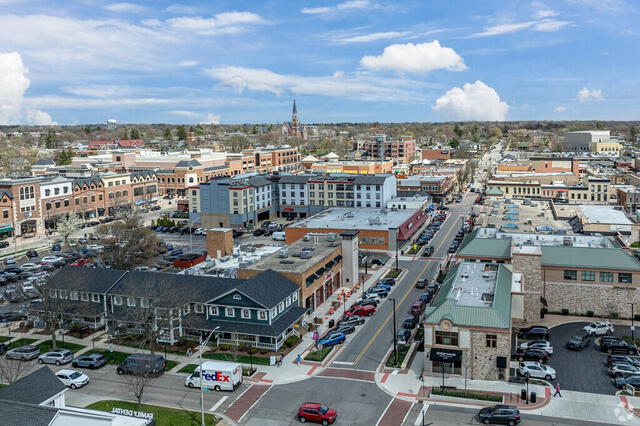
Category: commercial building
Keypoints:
(315, 165)
(436, 153)
(599, 141)
(382, 147)
(423, 202)
(438, 187)
(468, 325)
(582, 274)
(377, 228)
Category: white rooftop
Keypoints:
(362, 218)
(604, 214)
(519, 238)
(474, 284)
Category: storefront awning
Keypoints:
(445, 355)
(6, 229)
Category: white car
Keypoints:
(96, 247)
(535, 369)
(27, 286)
(200, 231)
(72, 378)
(51, 259)
(29, 266)
(545, 346)
(599, 328)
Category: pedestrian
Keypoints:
(189, 351)
(557, 390)
(298, 359)
(278, 360)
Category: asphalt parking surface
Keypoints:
(357, 403)
(583, 371)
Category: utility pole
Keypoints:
(395, 337)
(202, 346)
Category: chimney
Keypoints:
(349, 275)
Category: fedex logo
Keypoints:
(216, 377)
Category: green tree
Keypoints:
(134, 134)
(167, 133)
(457, 130)
(64, 156)
(633, 132)
(125, 133)
(181, 132)
(51, 139)
(454, 143)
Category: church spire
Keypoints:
(295, 110)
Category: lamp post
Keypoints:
(526, 400)
(202, 346)
(632, 326)
(395, 337)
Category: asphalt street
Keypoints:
(357, 403)
(366, 349)
(443, 415)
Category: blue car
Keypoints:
(169, 247)
(384, 286)
(332, 339)
(56, 247)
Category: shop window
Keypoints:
(624, 278)
(446, 338)
(570, 275)
(588, 276)
(492, 340)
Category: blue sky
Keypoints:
(84, 61)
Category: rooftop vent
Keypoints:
(306, 238)
(287, 262)
(487, 297)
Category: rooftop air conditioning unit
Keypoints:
(307, 237)
(284, 253)
(331, 237)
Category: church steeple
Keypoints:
(294, 115)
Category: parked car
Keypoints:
(258, 232)
(29, 267)
(622, 382)
(51, 259)
(332, 339)
(403, 336)
(599, 328)
(73, 379)
(503, 414)
(57, 357)
(24, 353)
(10, 260)
(344, 328)
(623, 370)
(417, 308)
(13, 316)
(537, 344)
(410, 322)
(578, 342)
(611, 345)
(621, 359)
(426, 297)
(139, 364)
(535, 369)
(361, 311)
(421, 283)
(388, 281)
(56, 247)
(366, 302)
(428, 251)
(91, 361)
(533, 355)
(352, 320)
(83, 240)
(31, 254)
(534, 333)
(381, 292)
(384, 286)
(317, 413)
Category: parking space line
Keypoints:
(422, 415)
(219, 403)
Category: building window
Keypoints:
(95, 297)
(117, 300)
(570, 275)
(262, 315)
(5, 214)
(63, 294)
(213, 310)
(246, 313)
(446, 338)
(492, 340)
(588, 276)
(274, 312)
(606, 277)
(84, 297)
(198, 308)
(52, 293)
(47, 192)
(73, 295)
(624, 278)
(294, 297)
(230, 312)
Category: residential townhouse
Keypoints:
(261, 311)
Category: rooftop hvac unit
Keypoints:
(305, 255)
(375, 221)
(307, 237)
(284, 253)
(567, 242)
(331, 237)
(348, 214)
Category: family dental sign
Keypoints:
(132, 413)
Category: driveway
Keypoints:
(582, 371)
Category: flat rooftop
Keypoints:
(516, 216)
(348, 218)
(474, 284)
(546, 240)
(317, 248)
(604, 214)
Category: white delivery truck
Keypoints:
(217, 375)
(278, 236)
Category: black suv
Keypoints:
(611, 345)
(505, 414)
(353, 320)
(427, 251)
(579, 342)
(366, 302)
(534, 333)
(410, 322)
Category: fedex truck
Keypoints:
(217, 375)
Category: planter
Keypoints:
(465, 400)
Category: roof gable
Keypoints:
(236, 298)
(35, 388)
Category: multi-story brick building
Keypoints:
(26, 209)
(56, 199)
(381, 147)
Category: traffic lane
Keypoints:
(374, 326)
(449, 416)
(582, 371)
(357, 403)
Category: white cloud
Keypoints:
(545, 13)
(182, 9)
(183, 113)
(560, 108)
(13, 85)
(188, 63)
(221, 23)
(353, 4)
(365, 38)
(422, 57)
(545, 25)
(475, 101)
(585, 94)
(211, 119)
(124, 7)
(355, 86)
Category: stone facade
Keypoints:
(601, 299)
(483, 359)
(529, 264)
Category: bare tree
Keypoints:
(12, 370)
(67, 225)
(136, 385)
(52, 314)
(466, 368)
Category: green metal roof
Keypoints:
(498, 315)
(485, 248)
(589, 257)
(494, 191)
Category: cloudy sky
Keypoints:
(234, 61)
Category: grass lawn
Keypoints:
(319, 355)
(242, 359)
(189, 368)
(4, 338)
(393, 273)
(46, 346)
(114, 357)
(169, 365)
(402, 353)
(163, 416)
(22, 342)
(465, 394)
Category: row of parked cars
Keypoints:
(430, 231)
(533, 352)
(179, 230)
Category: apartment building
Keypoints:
(382, 147)
(438, 187)
(26, 212)
(56, 199)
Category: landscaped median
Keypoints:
(438, 393)
(22, 342)
(318, 355)
(396, 361)
(163, 416)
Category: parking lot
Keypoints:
(583, 371)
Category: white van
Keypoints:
(278, 236)
(218, 375)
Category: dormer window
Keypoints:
(95, 297)
(117, 300)
(262, 315)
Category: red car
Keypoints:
(362, 311)
(318, 413)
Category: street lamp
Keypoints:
(202, 346)
(632, 326)
(395, 337)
